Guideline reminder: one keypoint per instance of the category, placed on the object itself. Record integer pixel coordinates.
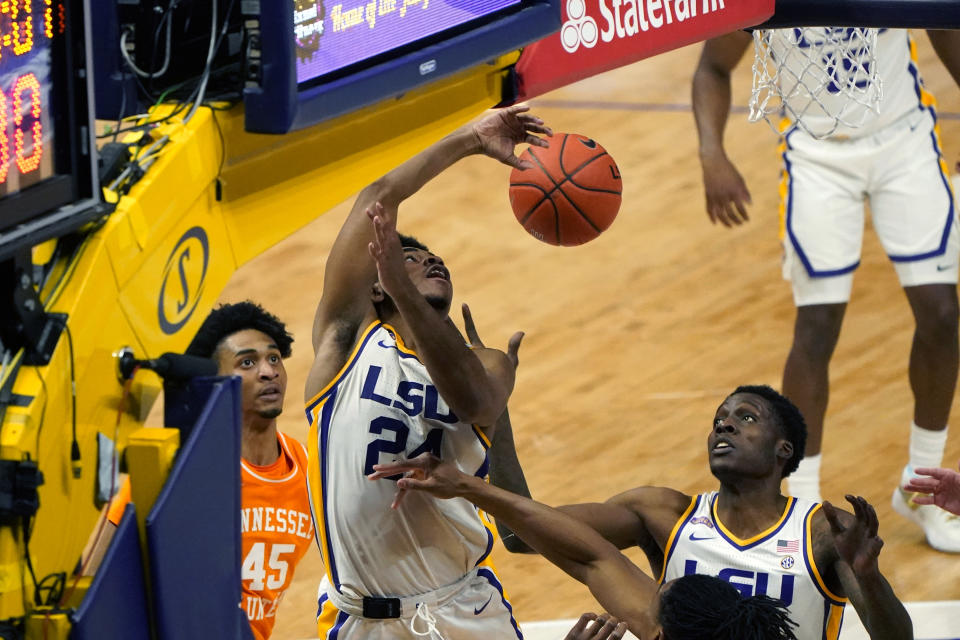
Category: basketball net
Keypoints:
(819, 78)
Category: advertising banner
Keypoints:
(599, 35)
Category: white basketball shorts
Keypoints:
(476, 610)
(901, 171)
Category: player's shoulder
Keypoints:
(820, 526)
(337, 343)
(648, 500)
(296, 449)
(822, 537)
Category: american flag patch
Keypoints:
(788, 546)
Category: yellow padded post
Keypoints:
(149, 456)
(40, 625)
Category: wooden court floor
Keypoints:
(633, 340)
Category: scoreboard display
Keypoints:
(364, 31)
(317, 59)
(27, 128)
(45, 133)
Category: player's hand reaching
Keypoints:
(726, 192)
(590, 626)
(513, 345)
(386, 250)
(426, 473)
(942, 487)
(501, 131)
(856, 540)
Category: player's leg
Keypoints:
(915, 217)
(934, 356)
(822, 233)
(806, 373)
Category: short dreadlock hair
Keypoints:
(228, 319)
(699, 607)
(790, 419)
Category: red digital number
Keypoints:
(48, 18)
(20, 35)
(22, 31)
(4, 140)
(26, 84)
(23, 84)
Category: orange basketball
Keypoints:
(571, 195)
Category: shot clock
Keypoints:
(28, 30)
(45, 127)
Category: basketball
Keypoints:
(571, 195)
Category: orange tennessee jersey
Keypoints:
(277, 530)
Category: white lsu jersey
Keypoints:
(901, 85)
(382, 407)
(778, 562)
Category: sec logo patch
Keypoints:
(787, 562)
(183, 279)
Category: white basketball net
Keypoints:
(820, 78)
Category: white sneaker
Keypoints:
(941, 527)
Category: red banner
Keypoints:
(599, 35)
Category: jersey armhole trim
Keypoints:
(346, 366)
(811, 562)
(671, 539)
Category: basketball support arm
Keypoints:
(213, 198)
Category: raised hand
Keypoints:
(593, 627)
(426, 473)
(501, 131)
(726, 192)
(942, 487)
(857, 541)
(513, 345)
(386, 250)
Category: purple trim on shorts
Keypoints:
(794, 241)
(945, 236)
(320, 601)
(334, 633)
(491, 577)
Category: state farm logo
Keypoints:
(627, 19)
(579, 29)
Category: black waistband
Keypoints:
(381, 608)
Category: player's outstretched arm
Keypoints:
(620, 587)
(942, 487)
(726, 192)
(625, 520)
(474, 383)
(507, 473)
(505, 469)
(947, 45)
(349, 270)
(858, 549)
